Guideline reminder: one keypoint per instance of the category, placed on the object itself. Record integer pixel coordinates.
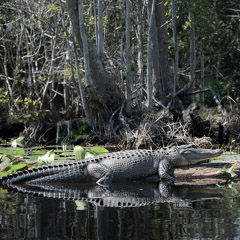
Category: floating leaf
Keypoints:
(40, 152)
(47, 157)
(33, 159)
(3, 174)
(79, 152)
(5, 164)
(17, 167)
(98, 150)
(13, 151)
(80, 205)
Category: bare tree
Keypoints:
(202, 72)
(150, 53)
(100, 30)
(128, 59)
(192, 56)
(103, 94)
(175, 43)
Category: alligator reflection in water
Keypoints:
(212, 215)
(125, 194)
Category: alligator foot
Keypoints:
(106, 181)
(167, 178)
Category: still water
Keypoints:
(182, 212)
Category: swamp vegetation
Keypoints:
(131, 74)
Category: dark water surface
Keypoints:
(210, 213)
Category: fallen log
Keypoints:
(206, 173)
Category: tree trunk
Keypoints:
(161, 82)
(128, 60)
(202, 72)
(104, 95)
(100, 30)
(88, 80)
(175, 43)
(151, 29)
(166, 81)
(192, 57)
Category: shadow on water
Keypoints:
(130, 210)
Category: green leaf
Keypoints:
(3, 174)
(47, 157)
(88, 155)
(81, 133)
(80, 205)
(40, 152)
(5, 164)
(18, 142)
(233, 175)
(232, 167)
(235, 190)
(3, 191)
(79, 152)
(17, 167)
(13, 151)
(98, 150)
(32, 159)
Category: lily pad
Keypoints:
(80, 205)
(98, 150)
(79, 152)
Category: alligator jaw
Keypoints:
(196, 155)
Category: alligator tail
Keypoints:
(66, 172)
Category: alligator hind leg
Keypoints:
(100, 172)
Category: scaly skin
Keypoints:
(117, 166)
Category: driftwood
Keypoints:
(205, 173)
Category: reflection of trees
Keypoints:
(28, 217)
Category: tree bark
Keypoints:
(88, 80)
(166, 81)
(128, 60)
(192, 57)
(175, 43)
(151, 33)
(100, 30)
(202, 72)
(162, 84)
(104, 95)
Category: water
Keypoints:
(204, 212)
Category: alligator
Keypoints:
(115, 167)
(124, 194)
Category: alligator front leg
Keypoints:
(163, 169)
(100, 172)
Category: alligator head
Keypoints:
(194, 155)
(190, 154)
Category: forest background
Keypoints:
(134, 73)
